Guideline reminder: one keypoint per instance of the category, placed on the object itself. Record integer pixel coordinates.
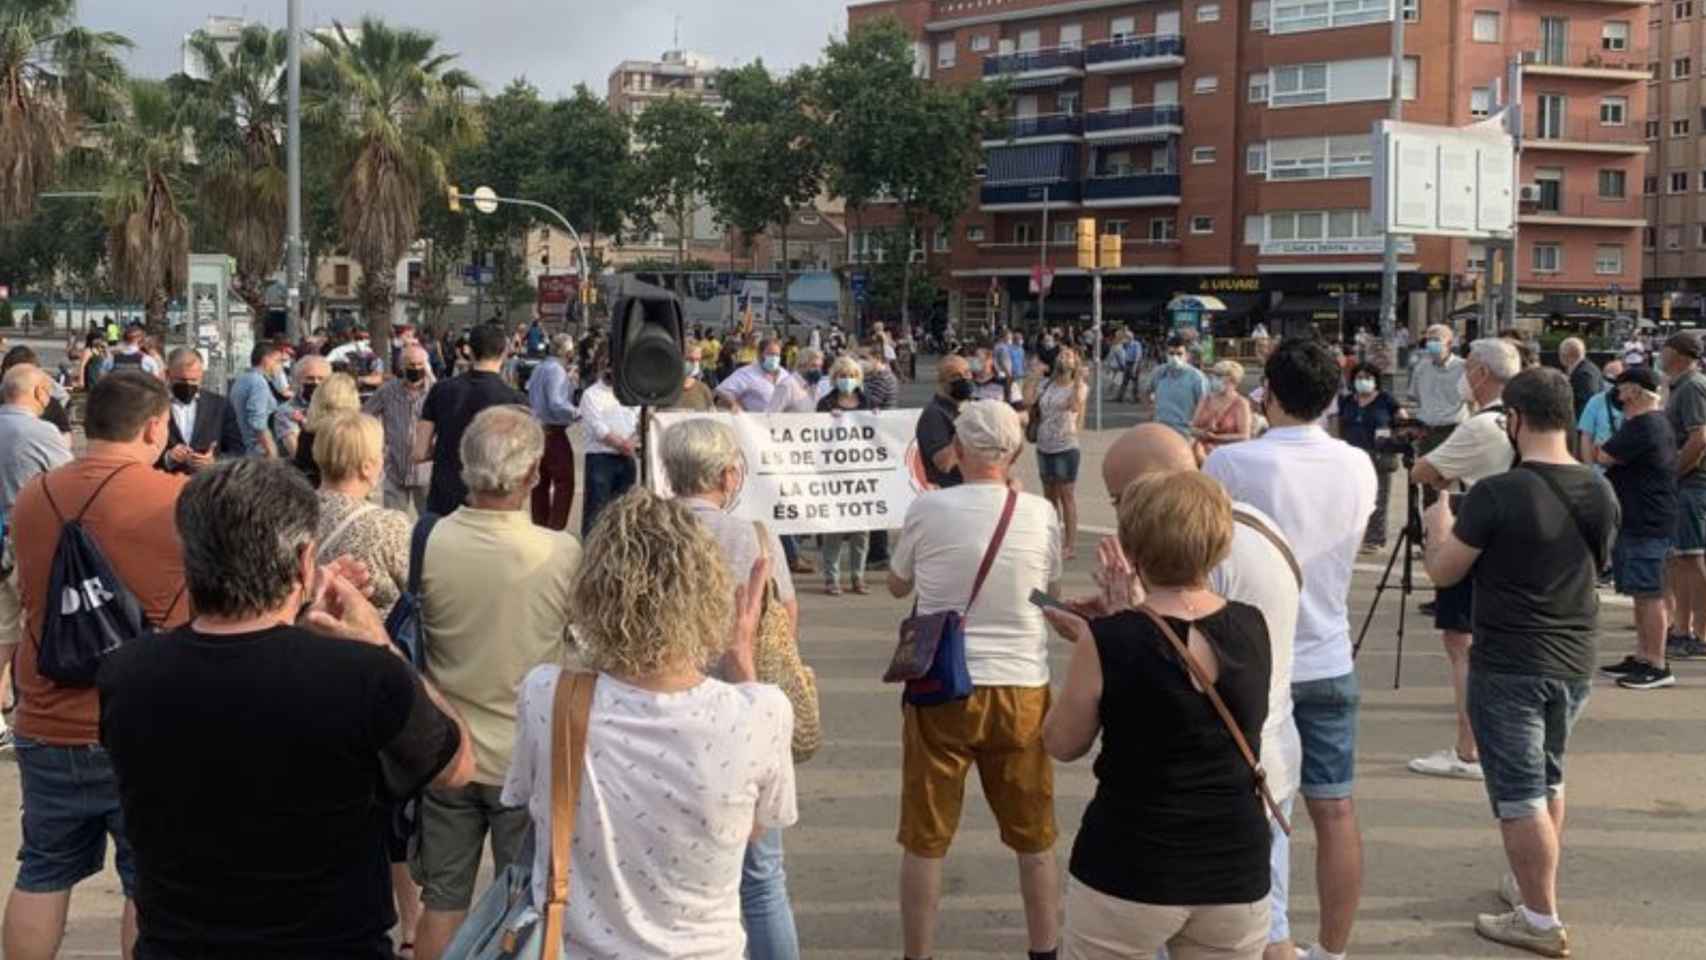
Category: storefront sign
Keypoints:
(1320, 248)
(1229, 285)
(806, 473)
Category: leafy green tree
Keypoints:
(54, 76)
(675, 138)
(401, 109)
(148, 239)
(587, 168)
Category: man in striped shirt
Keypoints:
(881, 386)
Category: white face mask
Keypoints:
(1364, 385)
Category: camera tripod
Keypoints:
(1409, 542)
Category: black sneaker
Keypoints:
(1648, 677)
(1684, 647)
(1629, 665)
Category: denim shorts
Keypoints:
(1326, 714)
(1638, 565)
(70, 807)
(1522, 725)
(1058, 467)
(1690, 520)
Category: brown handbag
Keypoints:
(776, 658)
(571, 713)
(1207, 686)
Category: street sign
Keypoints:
(860, 283)
(485, 200)
(478, 276)
(1042, 279)
(556, 291)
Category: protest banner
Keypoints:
(806, 473)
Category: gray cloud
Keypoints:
(499, 40)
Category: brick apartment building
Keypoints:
(1229, 142)
(1675, 183)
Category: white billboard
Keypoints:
(1444, 181)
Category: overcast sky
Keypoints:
(555, 44)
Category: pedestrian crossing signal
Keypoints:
(455, 197)
(1113, 251)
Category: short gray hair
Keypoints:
(299, 369)
(695, 454)
(562, 345)
(243, 524)
(1572, 346)
(1498, 356)
(182, 357)
(20, 382)
(810, 358)
(501, 449)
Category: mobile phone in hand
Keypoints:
(1044, 601)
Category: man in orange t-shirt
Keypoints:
(70, 795)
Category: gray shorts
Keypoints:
(454, 824)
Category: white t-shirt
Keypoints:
(1476, 450)
(672, 786)
(1320, 491)
(1256, 573)
(939, 550)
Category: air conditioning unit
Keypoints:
(1531, 56)
(1529, 193)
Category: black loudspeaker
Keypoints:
(646, 327)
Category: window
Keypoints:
(1608, 258)
(980, 43)
(1652, 130)
(1259, 87)
(1293, 16)
(1256, 158)
(1320, 225)
(1612, 184)
(1115, 228)
(1550, 180)
(1681, 67)
(1259, 14)
(1351, 155)
(1071, 36)
(1202, 154)
(1653, 68)
(1201, 225)
(1612, 111)
(1066, 102)
(1024, 233)
(1065, 231)
(1119, 98)
(1316, 158)
(1162, 230)
(944, 240)
(1700, 234)
(1649, 238)
(1683, 10)
(1208, 84)
(1679, 128)
(1679, 182)
(1673, 238)
(1166, 92)
(975, 234)
(1302, 84)
(1412, 10)
(1409, 73)
(1552, 112)
(1208, 12)
(1614, 36)
(1120, 28)
(1548, 258)
(1477, 262)
(945, 52)
(1480, 101)
(1649, 185)
(1484, 28)
(1255, 226)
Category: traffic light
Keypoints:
(455, 197)
(1087, 243)
(1113, 250)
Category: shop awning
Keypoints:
(1042, 163)
(1197, 302)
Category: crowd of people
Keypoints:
(267, 538)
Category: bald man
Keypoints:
(935, 436)
(1259, 570)
(1585, 377)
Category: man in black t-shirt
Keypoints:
(1685, 407)
(935, 436)
(257, 760)
(1534, 539)
(1641, 465)
(451, 406)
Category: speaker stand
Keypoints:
(643, 448)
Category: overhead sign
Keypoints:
(1317, 248)
(556, 292)
(806, 473)
(1042, 279)
(486, 200)
(478, 276)
(1444, 181)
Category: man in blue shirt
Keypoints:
(1177, 388)
(253, 400)
(550, 392)
(1600, 419)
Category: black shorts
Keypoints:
(1455, 607)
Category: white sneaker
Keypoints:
(1446, 763)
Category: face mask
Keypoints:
(977, 366)
(1364, 385)
(1048, 341)
(961, 390)
(185, 392)
(1436, 348)
(1215, 384)
(1176, 359)
(1614, 397)
(772, 363)
(813, 376)
(1512, 428)
(308, 392)
(414, 374)
(846, 384)
(1464, 391)
(692, 370)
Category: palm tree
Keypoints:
(148, 236)
(403, 111)
(53, 74)
(238, 117)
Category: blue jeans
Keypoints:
(1522, 726)
(71, 806)
(764, 907)
(608, 476)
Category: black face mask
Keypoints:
(185, 392)
(1614, 399)
(961, 390)
(414, 374)
(813, 376)
(308, 392)
(1512, 428)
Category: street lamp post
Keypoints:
(1042, 272)
(293, 167)
(486, 200)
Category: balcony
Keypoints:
(1036, 67)
(1132, 190)
(1042, 128)
(1582, 211)
(1145, 122)
(1135, 54)
(1585, 61)
(1062, 195)
(1581, 135)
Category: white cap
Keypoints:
(990, 428)
(1634, 358)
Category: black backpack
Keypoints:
(90, 612)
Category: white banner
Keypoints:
(816, 472)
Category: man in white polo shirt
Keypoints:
(1320, 491)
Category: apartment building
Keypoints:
(1674, 243)
(1229, 143)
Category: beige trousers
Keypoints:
(1100, 927)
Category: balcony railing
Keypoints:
(1063, 192)
(1063, 59)
(1619, 211)
(1587, 133)
(1127, 49)
(1583, 56)
(1041, 125)
(1136, 186)
(1134, 118)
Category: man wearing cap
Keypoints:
(1640, 461)
(940, 549)
(1679, 361)
(129, 355)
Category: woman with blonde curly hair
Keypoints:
(680, 769)
(338, 395)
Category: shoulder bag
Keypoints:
(506, 924)
(930, 657)
(776, 655)
(1599, 561)
(1273, 538)
(1207, 686)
